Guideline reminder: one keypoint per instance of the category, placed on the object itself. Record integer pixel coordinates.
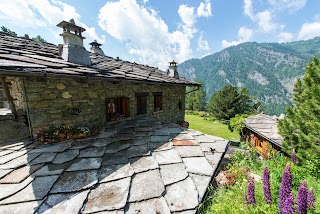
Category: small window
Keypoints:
(141, 103)
(157, 101)
(117, 108)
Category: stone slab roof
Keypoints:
(266, 126)
(20, 56)
(134, 166)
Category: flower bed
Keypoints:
(54, 134)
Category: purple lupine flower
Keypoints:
(251, 198)
(266, 185)
(293, 157)
(310, 199)
(288, 205)
(302, 198)
(285, 188)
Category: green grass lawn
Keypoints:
(210, 127)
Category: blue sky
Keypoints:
(154, 32)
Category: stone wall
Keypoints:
(16, 92)
(83, 102)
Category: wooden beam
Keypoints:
(9, 98)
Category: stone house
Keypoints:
(261, 131)
(67, 85)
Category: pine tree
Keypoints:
(8, 31)
(39, 39)
(301, 126)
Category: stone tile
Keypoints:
(198, 165)
(59, 147)
(176, 130)
(218, 146)
(160, 139)
(16, 148)
(141, 140)
(143, 133)
(5, 152)
(65, 156)
(63, 203)
(122, 137)
(183, 136)
(20, 161)
(75, 181)
(11, 156)
(173, 173)
(85, 163)
(152, 206)
(43, 158)
(117, 158)
(115, 172)
(10, 189)
(100, 142)
(107, 134)
(161, 132)
(182, 195)
(118, 146)
(167, 157)
(108, 196)
(207, 138)
(184, 142)
(138, 151)
(145, 186)
(80, 144)
(160, 146)
(92, 152)
(52, 169)
(124, 130)
(194, 132)
(36, 190)
(214, 159)
(27, 207)
(187, 212)
(202, 183)
(111, 212)
(189, 151)
(144, 129)
(144, 164)
(18, 175)
(4, 172)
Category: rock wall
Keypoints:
(83, 102)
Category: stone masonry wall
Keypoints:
(57, 101)
(16, 92)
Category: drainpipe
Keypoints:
(26, 105)
(8, 96)
(193, 90)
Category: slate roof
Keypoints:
(20, 56)
(133, 166)
(266, 126)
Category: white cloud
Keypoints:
(284, 37)
(244, 35)
(288, 4)
(203, 44)
(204, 9)
(247, 8)
(265, 22)
(44, 14)
(146, 35)
(309, 30)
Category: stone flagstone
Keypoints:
(75, 181)
(160, 139)
(36, 190)
(160, 146)
(52, 169)
(182, 195)
(43, 158)
(4, 172)
(20, 161)
(102, 142)
(11, 156)
(80, 144)
(144, 164)
(187, 212)
(189, 151)
(117, 158)
(114, 172)
(185, 142)
(141, 140)
(20, 174)
(138, 151)
(152, 206)
(146, 185)
(108, 196)
(118, 146)
(65, 156)
(167, 157)
(70, 203)
(27, 207)
(5, 152)
(198, 165)
(173, 173)
(59, 147)
(218, 146)
(202, 183)
(85, 163)
(214, 159)
(92, 152)
(10, 189)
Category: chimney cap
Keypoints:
(71, 25)
(173, 63)
(95, 44)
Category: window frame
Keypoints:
(157, 101)
(142, 99)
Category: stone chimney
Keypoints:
(72, 50)
(95, 48)
(172, 71)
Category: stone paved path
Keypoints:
(135, 166)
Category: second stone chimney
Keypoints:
(172, 70)
(72, 50)
(95, 48)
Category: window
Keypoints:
(157, 101)
(117, 108)
(141, 103)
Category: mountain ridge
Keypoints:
(268, 70)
